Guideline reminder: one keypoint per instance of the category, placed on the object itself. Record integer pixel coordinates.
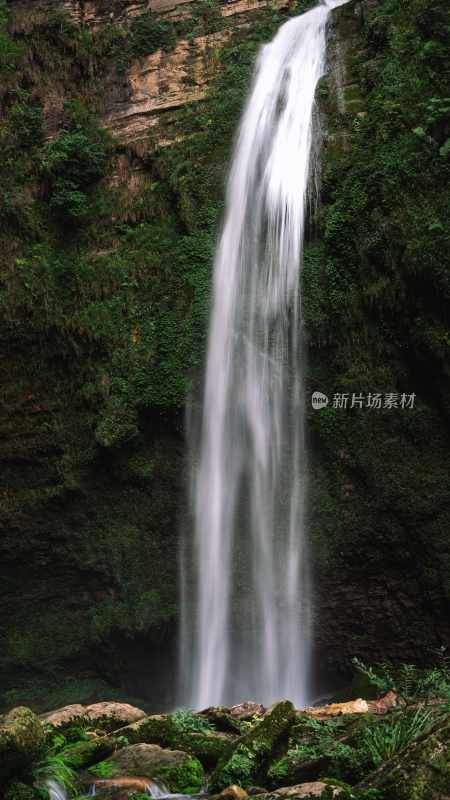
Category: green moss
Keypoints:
(104, 769)
(246, 762)
(84, 754)
(21, 741)
(187, 778)
(182, 730)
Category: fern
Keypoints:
(408, 680)
(54, 768)
(384, 740)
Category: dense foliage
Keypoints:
(104, 296)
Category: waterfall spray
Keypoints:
(246, 622)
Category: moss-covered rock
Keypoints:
(62, 717)
(177, 770)
(22, 739)
(107, 715)
(420, 772)
(317, 748)
(246, 762)
(84, 754)
(164, 729)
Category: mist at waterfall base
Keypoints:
(246, 587)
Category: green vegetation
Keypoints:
(10, 51)
(409, 681)
(74, 162)
(54, 767)
(384, 740)
(187, 721)
(104, 769)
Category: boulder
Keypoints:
(120, 788)
(311, 749)
(22, 739)
(247, 760)
(107, 716)
(233, 793)
(83, 754)
(179, 771)
(314, 789)
(421, 771)
(245, 711)
(63, 716)
(207, 745)
(384, 704)
(338, 709)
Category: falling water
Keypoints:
(55, 790)
(246, 633)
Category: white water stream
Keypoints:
(246, 624)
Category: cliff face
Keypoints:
(106, 256)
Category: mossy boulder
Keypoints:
(180, 772)
(316, 747)
(156, 729)
(62, 717)
(22, 739)
(84, 754)
(246, 762)
(208, 746)
(419, 772)
(107, 715)
(163, 729)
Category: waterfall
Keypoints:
(55, 790)
(246, 618)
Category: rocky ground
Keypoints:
(393, 747)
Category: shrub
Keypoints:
(74, 161)
(149, 33)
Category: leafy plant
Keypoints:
(54, 768)
(411, 682)
(384, 739)
(188, 721)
